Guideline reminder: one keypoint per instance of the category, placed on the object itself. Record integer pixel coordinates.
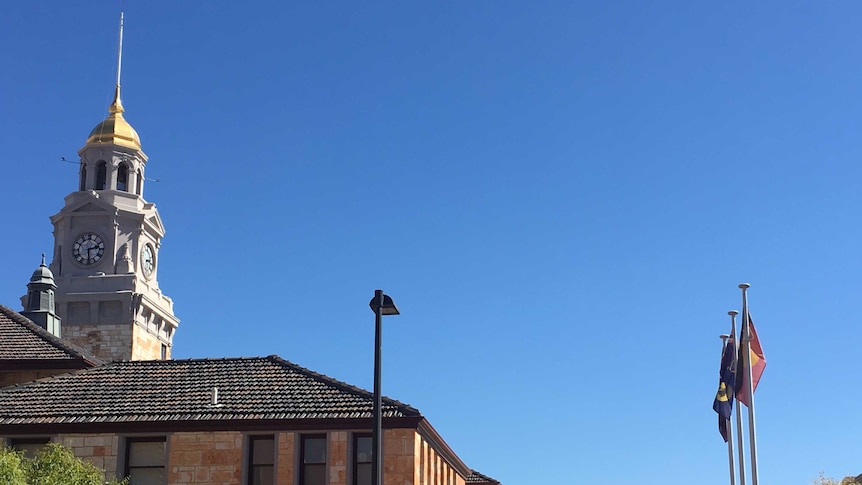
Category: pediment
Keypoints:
(156, 222)
(87, 202)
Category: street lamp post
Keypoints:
(381, 305)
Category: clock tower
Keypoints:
(106, 249)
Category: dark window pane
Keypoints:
(101, 175)
(146, 476)
(315, 475)
(263, 451)
(262, 475)
(122, 177)
(363, 449)
(315, 450)
(363, 474)
(146, 453)
(29, 447)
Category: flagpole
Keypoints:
(746, 353)
(740, 441)
(724, 338)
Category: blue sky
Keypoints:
(561, 197)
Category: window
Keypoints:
(362, 449)
(83, 184)
(261, 460)
(101, 175)
(145, 461)
(35, 301)
(313, 460)
(123, 177)
(28, 446)
(164, 352)
(139, 184)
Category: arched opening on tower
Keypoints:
(123, 177)
(101, 175)
(83, 184)
(139, 184)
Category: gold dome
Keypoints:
(115, 130)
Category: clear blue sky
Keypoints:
(561, 197)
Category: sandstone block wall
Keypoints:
(207, 458)
(219, 458)
(285, 458)
(432, 469)
(108, 342)
(338, 459)
(146, 346)
(98, 449)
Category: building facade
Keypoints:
(88, 365)
(235, 421)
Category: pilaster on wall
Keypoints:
(337, 458)
(399, 457)
(432, 469)
(285, 457)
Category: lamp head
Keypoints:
(387, 308)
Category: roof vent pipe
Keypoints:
(215, 396)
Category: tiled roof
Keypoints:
(257, 388)
(476, 477)
(21, 339)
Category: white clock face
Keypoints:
(88, 248)
(148, 260)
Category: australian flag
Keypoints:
(723, 403)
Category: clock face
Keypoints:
(88, 248)
(148, 260)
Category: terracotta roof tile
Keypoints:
(21, 339)
(476, 477)
(181, 390)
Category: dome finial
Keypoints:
(117, 105)
(115, 130)
(43, 260)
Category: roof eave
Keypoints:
(157, 426)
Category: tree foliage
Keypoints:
(824, 480)
(53, 465)
(12, 468)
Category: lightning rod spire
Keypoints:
(117, 105)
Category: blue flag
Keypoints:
(723, 403)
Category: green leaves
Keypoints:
(52, 465)
(11, 468)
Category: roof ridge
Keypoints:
(50, 338)
(344, 386)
